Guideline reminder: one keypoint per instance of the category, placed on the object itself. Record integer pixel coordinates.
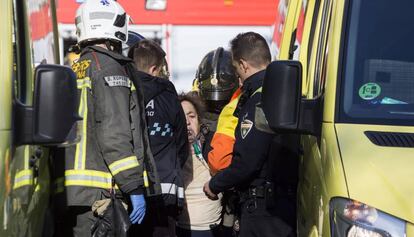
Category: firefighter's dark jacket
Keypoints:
(167, 133)
(251, 148)
(114, 143)
(210, 119)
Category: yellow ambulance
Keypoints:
(344, 79)
(37, 112)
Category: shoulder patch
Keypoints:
(245, 127)
(80, 68)
(118, 81)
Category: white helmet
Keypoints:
(101, 19)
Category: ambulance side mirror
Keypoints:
(53, 117)
(281, 94)
(284, 108)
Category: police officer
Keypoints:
(114, 151)
(133, 39)
(216, 82)
(168, 137)
(247, 171)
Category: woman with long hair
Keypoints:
(200, 216)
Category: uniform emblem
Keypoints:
(245, 127)
(118, 81)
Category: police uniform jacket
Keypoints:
(114, 150)
(251, 148)
(167, 129)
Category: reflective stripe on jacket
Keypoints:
(113, 146)
(223, 140)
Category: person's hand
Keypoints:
(208, 191)
(138, 209)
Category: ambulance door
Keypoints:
(310, 189)
(34, 44)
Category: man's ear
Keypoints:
(153, 71)
(244, 65)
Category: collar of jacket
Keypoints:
(252, 83)
(117, 56)
(153, 86)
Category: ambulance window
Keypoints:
(377, 85)
(282, 10)
(322, 51)
(19, 74)
(312, 30)
(40, 22)
(14, 55)
(298, 33)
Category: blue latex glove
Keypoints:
(138, 209)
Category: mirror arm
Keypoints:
(23, 124)
(311, 116)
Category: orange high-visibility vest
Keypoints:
(222, 143)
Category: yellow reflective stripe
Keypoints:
(133, 87)
(23, 173)
(37, 189)
(26, 157)
(85, 117)
(80, 154)
(123, 164)
(145, 177)
(227, 122)
(259, 90)
(88, 178)
(23, 178)
(89, 172)
(84, 83)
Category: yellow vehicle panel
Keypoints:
(321, 177)
(291, 22)
(303, 53)
(24, 170)
(377, 175)
(332, 62)
(5, 65)
(5, 179)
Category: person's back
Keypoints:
(167, 134)
(110, 158)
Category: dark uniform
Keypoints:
(248, 169)
(210, 120)
(167, 129)
(114, 145)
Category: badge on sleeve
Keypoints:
(118, 81)
(245, 127)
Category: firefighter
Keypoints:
(168, 137)
(113, 155)
(216, 83)
(248, 170)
